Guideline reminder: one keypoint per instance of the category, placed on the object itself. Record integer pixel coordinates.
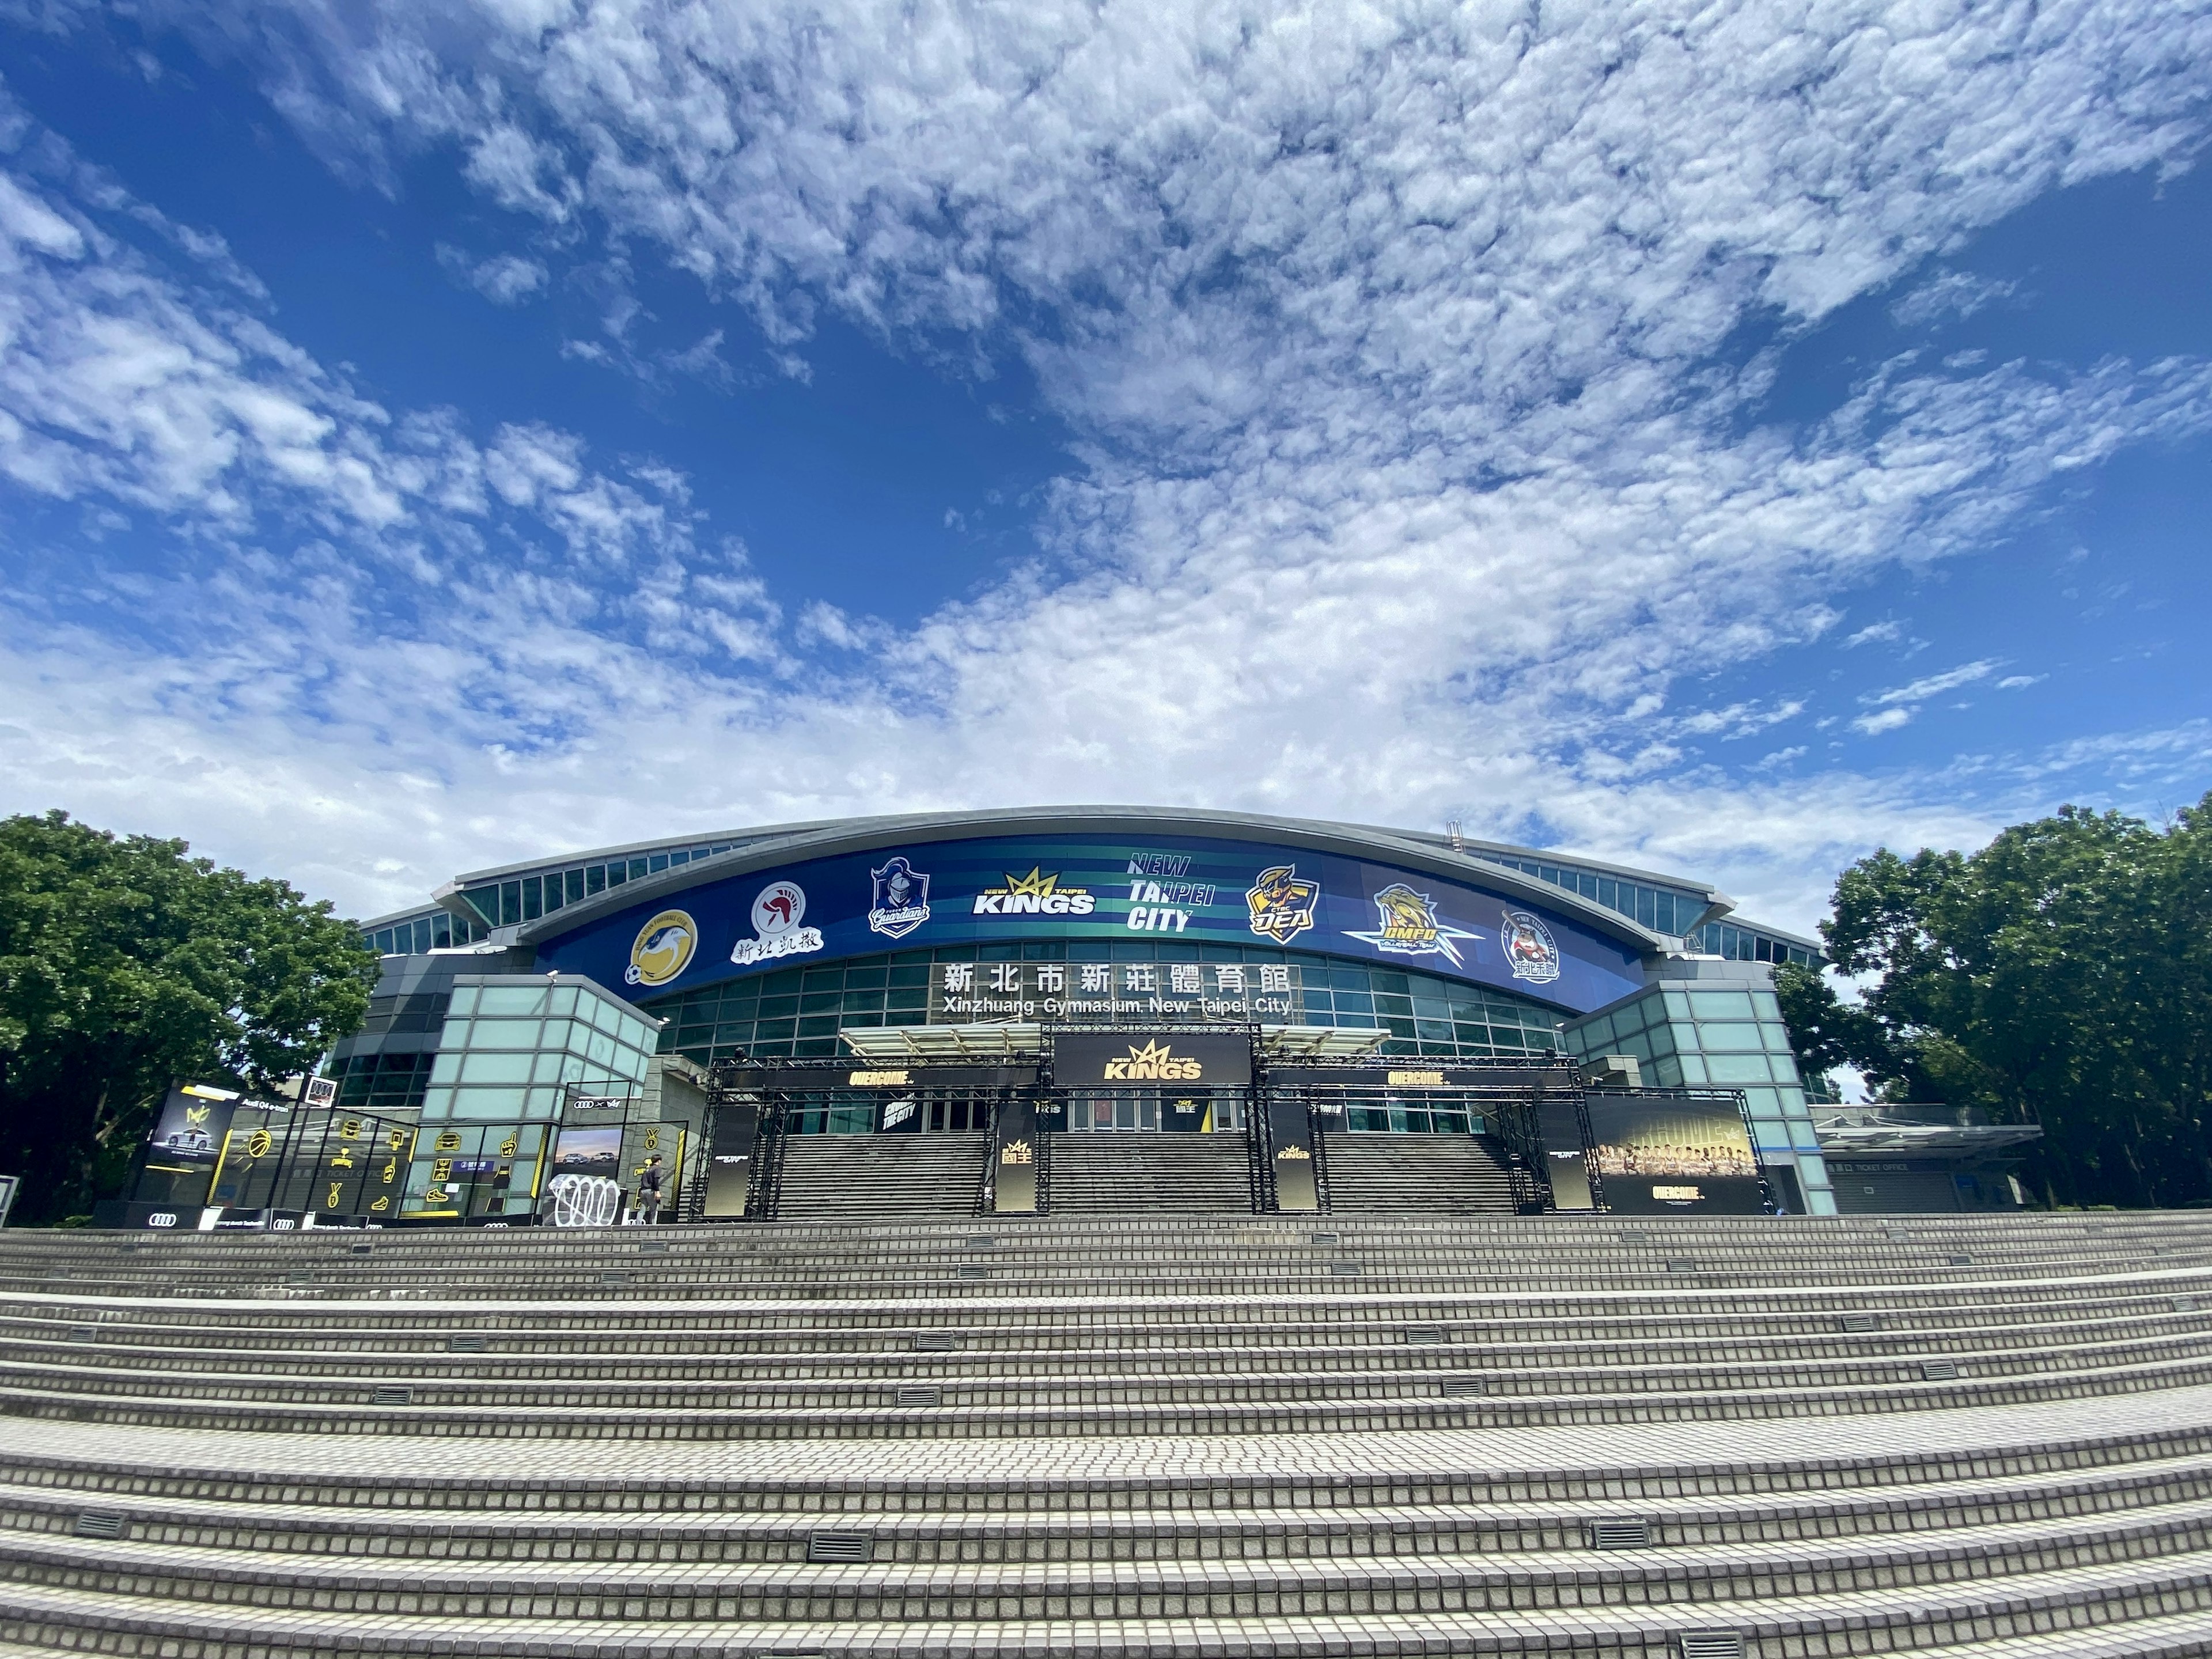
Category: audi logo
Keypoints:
(163, 1219)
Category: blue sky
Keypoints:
(431, 436)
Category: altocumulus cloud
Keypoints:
(1410, 481)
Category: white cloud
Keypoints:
(1887, 719)
(1408, 488)
(1949, 293)
(1880, 633)
(2019, 682)
(508, 279)
(1934, 685)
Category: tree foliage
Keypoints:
(2065, 970)
(124, 964)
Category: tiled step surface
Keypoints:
(1228, 1435)
(1097, 1174)
(1419, 1175)
(881, 1176)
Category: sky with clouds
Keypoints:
(1721, 439)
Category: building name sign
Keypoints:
(961, 992)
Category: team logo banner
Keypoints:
(662, 949)
(1407, 926)
(1035, 888)
(1151, 1060)
(902, 899)
(1529, 948)
(776, 916)
(1282, 906)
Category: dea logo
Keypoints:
(1530, 949)
(662, 949)
(1281, 904)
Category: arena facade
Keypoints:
(954, 935)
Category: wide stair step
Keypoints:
(1417, 1174)
(1149, 1174)
(881, 1176)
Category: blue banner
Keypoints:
(1188, 890)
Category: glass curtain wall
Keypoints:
(796, 1012)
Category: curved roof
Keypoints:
(789, 844)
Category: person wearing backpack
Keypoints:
(648, 1191)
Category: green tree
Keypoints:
(124, 964)
(2064, 970)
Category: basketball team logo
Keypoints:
(1281, 904)
(1406, 924)
(777, 914)
(901, 899)
(662, 949)
(1530, 949)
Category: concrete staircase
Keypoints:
(881, 1177)
(1416, 1174)
(1097, 1174)
(1231, 1434)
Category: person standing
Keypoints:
(648, 1191)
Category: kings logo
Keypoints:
(1407, 926)
(1154, 1062)
(1034, 894)
(1530, 949)
(901, 901)
(1282, 905)
(662, 949)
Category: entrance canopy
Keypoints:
(993, 1038)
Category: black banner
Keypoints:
(1401, 1075)
(1152, 1059)
(1014, 1176)
(730, 1158)
(873, 1074)
(1291, 1133)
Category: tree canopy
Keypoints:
(2065, 970)
(125, 964)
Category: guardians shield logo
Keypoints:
(901, 903)
(662, 949)
(1409, 927)
(1529, 948)
(1282, 906)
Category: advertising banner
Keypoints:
(186, 1145)
(1152, 1059)
(1672, 1156)
(1194, 890)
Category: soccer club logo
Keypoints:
(1530, 949)
(1282, 905)
(776, 916)
(662, 949)
(901, 901)
(1408, 926)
